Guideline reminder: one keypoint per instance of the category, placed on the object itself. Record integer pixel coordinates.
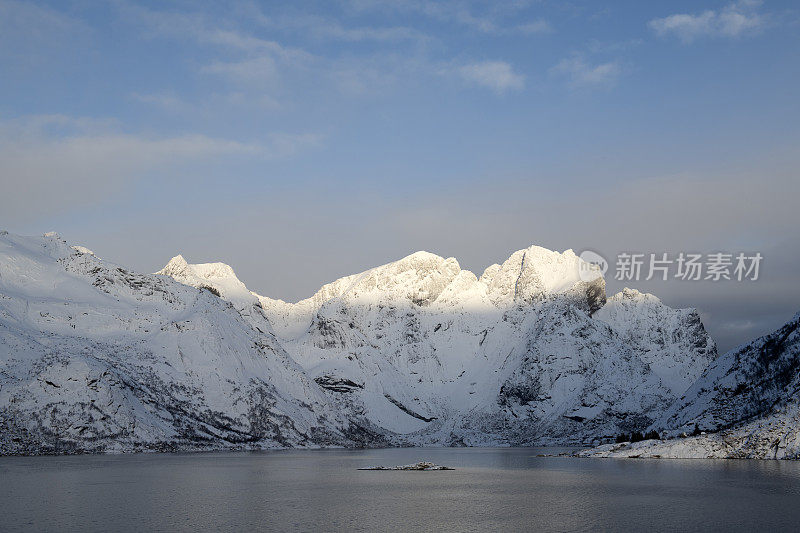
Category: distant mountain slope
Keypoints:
(747, 382)
(747, 403)
(94, 357)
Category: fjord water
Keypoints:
(323, 490)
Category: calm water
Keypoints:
(508, 489)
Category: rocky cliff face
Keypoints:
(747, 382)
(746, 403)
(672, 342)
(419, 351)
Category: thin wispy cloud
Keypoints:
(490, 20)
(205, 31)
(445, 11)
(208, 105)
(261, 69)
(35, 20)
(56, 162)
(537, 26)
(249, 43)
(734, 20)
(167, 102)
(323, 28)
(326, 28)
(36, 32)
(362, 78)
(498, 76)
(580, 73)
(256, 68)
(83, 136)
(253, 66)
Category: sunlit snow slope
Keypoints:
(527, 353)
(94, 357)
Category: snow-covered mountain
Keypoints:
(746, 383)
(747, 405)
(94, 357)
(435, 355)
(654, 329)
(220, 279)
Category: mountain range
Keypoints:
(417, 352)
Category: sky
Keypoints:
(303, 141)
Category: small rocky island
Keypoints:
(422, 465)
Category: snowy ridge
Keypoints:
(747, 405)
(415, 352)
(221, 279)
(423, 278)
(435, 355)
(94, 357)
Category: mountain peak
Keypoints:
(178, 260)
(634, 295)
(532, 272)
(422, 255)
(214, 271)
(420, 261)
(176, 264)
(179, 267)
(219, 276)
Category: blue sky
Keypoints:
(308, 140)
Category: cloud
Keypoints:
(498, 76)
(262, 102)
(224, 33)
(734, 20)
(56, 163)
(448, 11)
(462, 13)
(262, 69)
(209, 105)
(253, 45)
(323, 28)
(167, 102)
(259, 57)
(579, 73)
(37, 33)
(33, 20)
(537, 26)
